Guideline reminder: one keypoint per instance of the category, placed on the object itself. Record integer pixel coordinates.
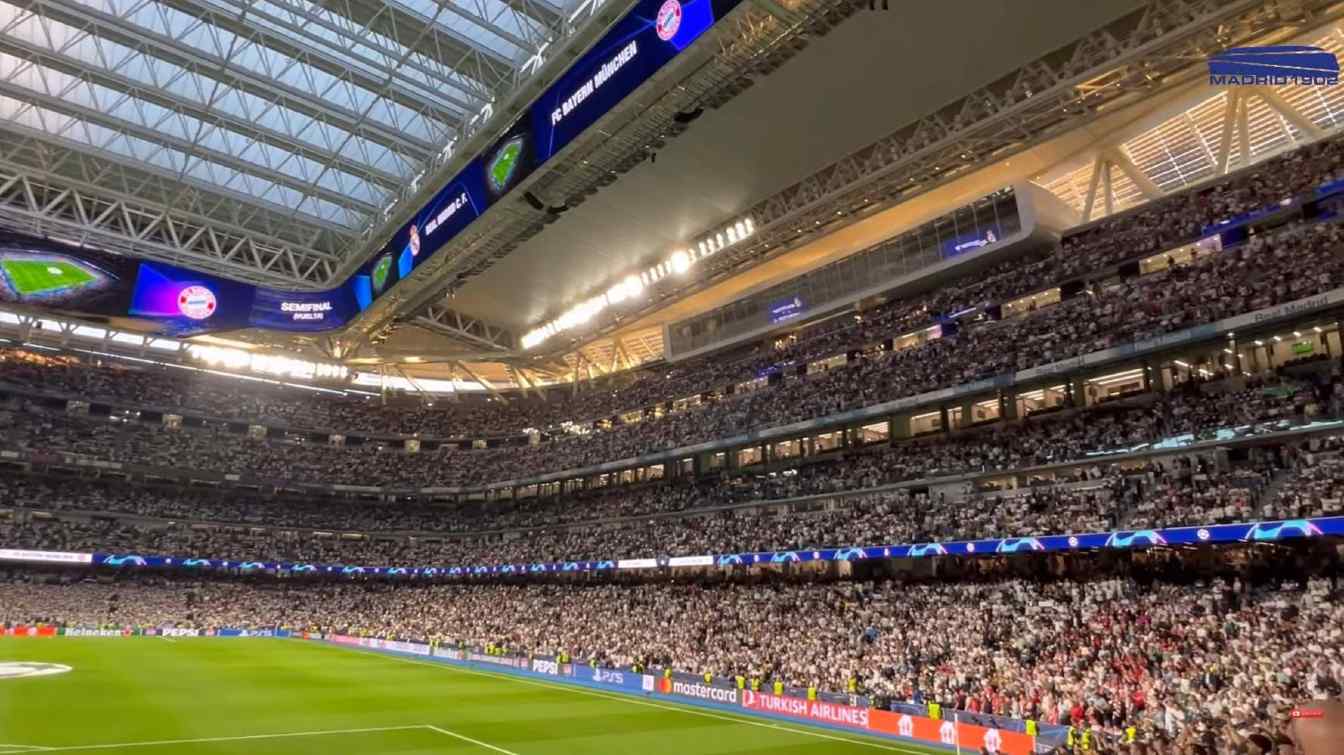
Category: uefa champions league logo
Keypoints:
(669, 20)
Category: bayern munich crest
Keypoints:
(196, 302)
(669, 20)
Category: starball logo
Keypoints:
(1274, 65)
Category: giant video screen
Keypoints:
(37, 272)
(50, 274)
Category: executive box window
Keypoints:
(1114, 385)
(1042, 399)
(1031, 303)
(877, 432)
(1179, 256)
(826, 442)
(928, 422)
(825, 365)
(984, 411)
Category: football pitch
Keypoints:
(141, 696)
(30, 277)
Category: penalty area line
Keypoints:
(465, 738)
(207, 740)
(627, 699)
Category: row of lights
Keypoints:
(266, 364)
(678, 263)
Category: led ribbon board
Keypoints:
(1211, 534)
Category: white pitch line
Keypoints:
(646, 703)
(476, 742)
(251, 737)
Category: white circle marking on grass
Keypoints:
(24, 669)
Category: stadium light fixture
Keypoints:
(266, 364)
(679, 263)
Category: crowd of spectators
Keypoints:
(1173, 655)
(1293, 481)
(1200, 408)
(1232, 402)
(1111, 309)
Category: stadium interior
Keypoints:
(697, 377)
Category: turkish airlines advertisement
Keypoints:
(814, 710)
(969, 737)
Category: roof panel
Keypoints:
(466, 21)
(75, 50)
(151, 119)
(89, 134)
(371, 52)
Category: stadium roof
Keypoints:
(266, 140)
(286, 124)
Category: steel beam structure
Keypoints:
(315, 142)
(1149, 50)
(173, 132)
(312, 33)
(450, 322)
(47, 189)
(217, 58)
(486, 384)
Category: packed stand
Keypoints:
(1256, 276)
(1166, 651)
(1291, 481)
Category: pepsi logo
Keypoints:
(669, 20)
(1202, 534)
(196, 302)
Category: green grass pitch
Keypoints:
(148, 696)
(380, 271)
(501, 170)
(40, 276)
